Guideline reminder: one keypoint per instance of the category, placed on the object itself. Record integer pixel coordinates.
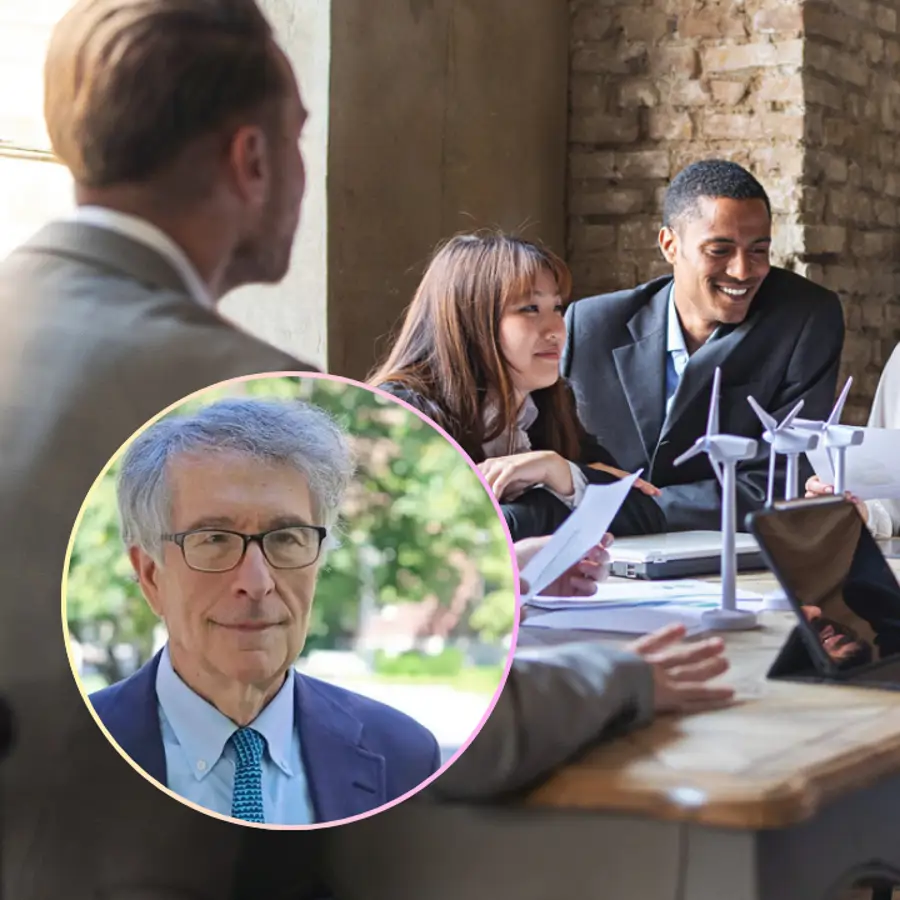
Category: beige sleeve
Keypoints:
(557, 701)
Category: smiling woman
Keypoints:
(479, 352)
(229, 510)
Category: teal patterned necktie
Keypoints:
(247, 799)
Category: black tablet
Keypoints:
(844, 593)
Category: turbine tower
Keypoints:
(725, 451)
(836, 438)
(789, 442)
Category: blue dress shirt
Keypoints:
(677, 355)
(200, 763)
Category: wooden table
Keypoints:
(787, 795)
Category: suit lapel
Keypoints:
(344, 778)
(133, 720)
(641, 366)
(701, 367)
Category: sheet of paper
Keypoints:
(633, 618)
(630, 593)
(583, 530)
(873, 468)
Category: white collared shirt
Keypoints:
(201, 761)
(146, 233)
(518, 442)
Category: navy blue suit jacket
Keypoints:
(358, 754)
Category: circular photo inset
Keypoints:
(289, 601)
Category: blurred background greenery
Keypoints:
(420, 543)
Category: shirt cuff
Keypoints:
(880, 523)
(579, 482)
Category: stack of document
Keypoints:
(635, 607)
(618, 607)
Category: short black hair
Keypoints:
(709, 178)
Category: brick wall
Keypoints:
(852, 176)
(802, 96)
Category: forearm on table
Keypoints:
(557, 701)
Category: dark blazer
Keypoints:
(358, 754)
(787, 348)
(538, 512)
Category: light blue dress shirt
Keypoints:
(677, 355)
(200, 763)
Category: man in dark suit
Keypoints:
(224, 513)
(179, 120)
(641, 360)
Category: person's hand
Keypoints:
(815, 487)
(578, 581)
(644, 486)
(681, 671)
(510, 476)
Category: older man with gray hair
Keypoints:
(225, 513)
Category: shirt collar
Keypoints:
(148, 234)
(675, 336)
(202, 731)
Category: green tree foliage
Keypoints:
(416, 524)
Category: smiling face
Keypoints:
(532, 334)
(720, 257)
(246, 626)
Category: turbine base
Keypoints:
(729, 619)
(777, 601)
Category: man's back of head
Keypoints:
(184, 113)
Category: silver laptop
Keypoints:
(679, 554)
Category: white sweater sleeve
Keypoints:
(884, 515)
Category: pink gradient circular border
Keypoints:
(517, 593)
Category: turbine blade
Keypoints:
(789, 418)
(768, 421)
(690, 454)
(835, 416)
(712, 424)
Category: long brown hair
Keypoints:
(448, 348)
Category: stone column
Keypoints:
(445, 115)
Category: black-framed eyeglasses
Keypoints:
(220, 550)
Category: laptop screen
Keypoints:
(832, 570)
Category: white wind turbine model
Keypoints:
(836, 438)
(788, 441)
(725, 451)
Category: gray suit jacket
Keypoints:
(788, 347)
(557, 701)
(98, 336)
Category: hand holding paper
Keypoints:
(576, 537)
(580, 580)
(872, 469)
